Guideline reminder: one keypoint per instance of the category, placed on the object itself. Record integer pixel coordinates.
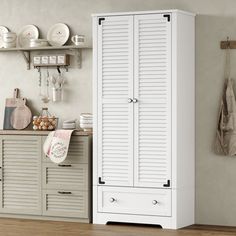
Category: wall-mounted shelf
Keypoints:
(231, 44)
(26, 52)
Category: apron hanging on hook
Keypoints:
(225, 142)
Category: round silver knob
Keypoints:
(130, 100)
(112, 199)
(154, 202)
(135, 100)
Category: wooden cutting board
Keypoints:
(10, 105)
(21, 116)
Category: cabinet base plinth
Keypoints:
(164, 222)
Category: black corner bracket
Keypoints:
(100, 20)
(167, 184)
(100, 181)
(167, 16)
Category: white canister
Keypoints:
(9, 37)
(57, 94)
(78, 40)
(9, 45)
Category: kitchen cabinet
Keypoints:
(34, 187)
(144, 118)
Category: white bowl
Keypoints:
(38, 43)
(86, 126)
(9, 45)
(86, 115)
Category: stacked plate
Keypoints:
(69, 124)
(86, 121)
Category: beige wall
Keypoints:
(215, 175)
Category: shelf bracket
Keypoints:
(78, 57)
(77, 53)
(26, 56)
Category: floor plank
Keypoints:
(19, 227)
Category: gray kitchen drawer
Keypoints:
(65, 176)
(78, 150)
(65, 203)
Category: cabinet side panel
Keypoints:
(95, 100)
(184, 133)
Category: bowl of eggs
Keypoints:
(45, 121)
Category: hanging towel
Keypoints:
(57, 144)
(225, 143)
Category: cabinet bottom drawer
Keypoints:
(134, 201)
(65, 203)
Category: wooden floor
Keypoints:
(15, 227)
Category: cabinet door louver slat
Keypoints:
(115, 116)
(74, 177)
(21, 175)
(153, 90)
(74, 204)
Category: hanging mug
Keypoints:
(78, 40)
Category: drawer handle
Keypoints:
(62, 192)
(64, 165)
(154, 202)
(112, 199)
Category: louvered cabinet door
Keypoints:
(115, 113)
(21, 171)
(152, 89)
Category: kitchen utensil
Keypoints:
(58, 34)
(27, 33)
(78, 40)
(3, 29)
(40, 82)
(53, 81)
(10, 105)
(21, 116)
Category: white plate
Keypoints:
(3, 30)
(26, 33)
(58, 34)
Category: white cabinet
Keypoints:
(144, 118)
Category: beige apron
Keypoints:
(225, 143)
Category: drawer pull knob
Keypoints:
(112, 199)
(130, 100)
(62, 192)
(154, 202)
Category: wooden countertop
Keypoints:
(34, 132)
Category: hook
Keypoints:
(228, 42)
(58, 69)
